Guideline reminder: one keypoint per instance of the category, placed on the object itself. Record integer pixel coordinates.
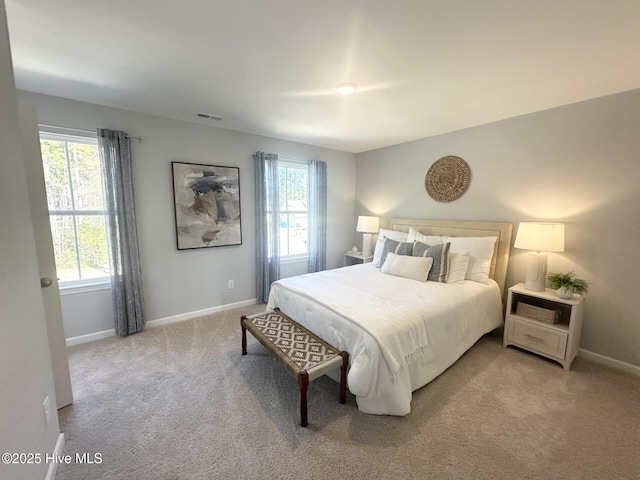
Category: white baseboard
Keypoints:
(608, 361)
(199, 313)
(53, 466)
(92, 337)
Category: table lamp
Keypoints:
(367, 226)
(540, 237)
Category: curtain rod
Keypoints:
(81, 130)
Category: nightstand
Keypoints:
(557, 341)
(356, 258)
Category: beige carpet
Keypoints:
(181, 402)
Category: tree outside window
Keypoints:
(294, 216)
(73, 181)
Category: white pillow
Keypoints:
(430, 240)
(393, 235)
(415, 268)
(480, 255)
(458, 264)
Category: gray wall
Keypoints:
(26, 375)
(577, 164)
(179, 282)
(86, 311)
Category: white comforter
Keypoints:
(400, 333)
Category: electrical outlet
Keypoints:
(231, 285)
(46, 406)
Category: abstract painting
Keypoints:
(207, 205)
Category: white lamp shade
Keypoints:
(368, 224)
(540, 236)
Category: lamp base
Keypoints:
(366, 245)
(536, 278)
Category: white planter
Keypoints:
(564, 292)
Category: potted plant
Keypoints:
(566, 284)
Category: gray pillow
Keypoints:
(399, 248)
(440, 255)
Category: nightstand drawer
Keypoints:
(538, 338)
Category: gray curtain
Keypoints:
(126, 279)
(317, 216)
(267, 231)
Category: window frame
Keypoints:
(82, 285)
(302, 165)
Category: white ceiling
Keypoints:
(424, 67)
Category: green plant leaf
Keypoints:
(568, 280)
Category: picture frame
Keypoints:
(206, 202)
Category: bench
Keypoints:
(304, 355)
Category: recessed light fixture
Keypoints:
(346, 88)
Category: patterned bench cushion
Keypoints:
(297, 347)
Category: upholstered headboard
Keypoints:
(460, 228)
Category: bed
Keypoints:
(401, 333)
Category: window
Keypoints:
(73, 180)
(294, 217)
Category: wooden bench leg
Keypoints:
(303, 381)
(244, 334)
(246, 323)
(343, 377)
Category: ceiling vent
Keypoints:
(208, 116)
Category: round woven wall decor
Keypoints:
(447, 179)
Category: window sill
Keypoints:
(294, 259)
(84, 288)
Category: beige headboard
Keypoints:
(459, 228)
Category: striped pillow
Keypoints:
(440, 255)
(399, 248)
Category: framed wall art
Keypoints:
(207, 205)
